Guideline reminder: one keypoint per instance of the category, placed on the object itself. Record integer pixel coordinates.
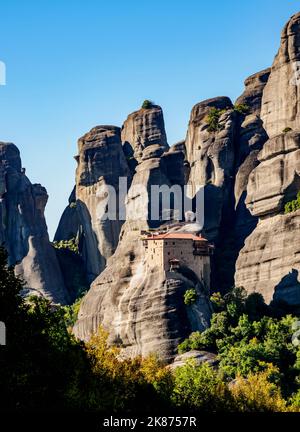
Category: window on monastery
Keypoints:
(168, 253)
(173, 243)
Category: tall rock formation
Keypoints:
(247, 157)
(142, 310)
(211, 155)
(144, 128)
(250, 140)
(281, 102)
(222, 145)
(270, 261)
(23, 229)
(101, 163)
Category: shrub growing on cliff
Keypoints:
(213, 119)
(190, 297)
(293, 205)
(287, 129)
(71, 245)
(241, 108)
(147, 104)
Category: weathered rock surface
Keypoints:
(269, 263)
(143, 310)
(281, 102)
(198, 357)
(23, 229)
(254, 87)
(250, 140)
(69, 225)
(211, 156)
(271, 252)
(249, 168)
(144, 128)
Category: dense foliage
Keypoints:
(190, 296)
(293, 205)
(213, 119)
(44, 368)
(214, 115)
(248, 341)
(147, 104)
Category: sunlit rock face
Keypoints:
(281, 104)
(270, 261)
(144, 128)
(251, 138)
(101, 163)
(144, 310)
(93, 214)
(247, 159)
(23, 230)
(211, 155)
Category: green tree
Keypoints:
(199, 388)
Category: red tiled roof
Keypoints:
(176, 235)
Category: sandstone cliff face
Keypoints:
(222, 159)
(69, 226)
(143, 310)
(251, 138)
(101, 162)
(23, 229)
(249, 168)
(269, 262)
(211, 158)
(144, 128)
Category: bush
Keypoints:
(287, 129)
(200, 388)
(257, 394)
(213, 119)
(71, 245)
(293, 205)
(147, 104)
(190, 297)
(241, 108)
(217, 301)
(247, 342)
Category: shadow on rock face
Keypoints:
(287, 292)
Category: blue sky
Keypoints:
(74, 64)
